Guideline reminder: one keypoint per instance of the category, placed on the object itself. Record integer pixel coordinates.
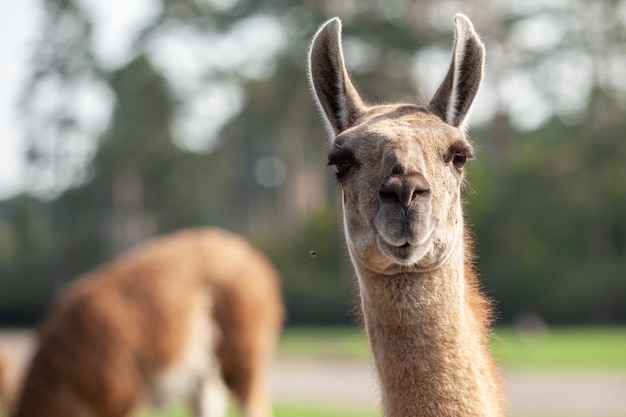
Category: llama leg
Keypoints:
(211, 397)
(251, 388)
(257, 404)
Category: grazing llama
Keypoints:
(181, 317)
(400, 169)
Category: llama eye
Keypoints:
(458, 160)
(342, 168)
(343, 160)
(458, 153)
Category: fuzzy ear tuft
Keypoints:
(454, 98)
(329, 79)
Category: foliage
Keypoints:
(317, 277)
(551, 240)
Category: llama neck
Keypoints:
(428, 335)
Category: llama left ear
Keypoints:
(336, 95)
(454, 97)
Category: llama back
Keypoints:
(146, 326)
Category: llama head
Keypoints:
(400, 166)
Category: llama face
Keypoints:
(400, 170)
(400, 166)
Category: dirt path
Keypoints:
(351, 384)
(571, 393)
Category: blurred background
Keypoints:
(121, 120)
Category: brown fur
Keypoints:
(4, 388)
(120, 328)
(400, 168)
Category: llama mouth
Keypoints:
(408, 250)
(405, 254)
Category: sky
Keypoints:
(18, 23)
(180, 55)
(19, 32)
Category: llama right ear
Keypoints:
(454, 98)
(335, 94)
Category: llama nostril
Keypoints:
(403, 190)
(388, 196)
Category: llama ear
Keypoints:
(454, 98)
(335, 94)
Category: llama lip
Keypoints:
(422, 238)
(411, 238)
(409, 230)
(411, 248)
(405, 254)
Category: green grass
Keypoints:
(310, 410)
(556, 348)
(563, 347)
(281, 410)
(347, 342)
(307, 410)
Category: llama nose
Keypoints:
(403, 189)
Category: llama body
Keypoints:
(4, 383)
(182, 317)
(400, 169)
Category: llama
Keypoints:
(187, 316)
(400, 170)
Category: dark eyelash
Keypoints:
(459, 148)
(343, 160)
(458, 153)
(341, 155)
